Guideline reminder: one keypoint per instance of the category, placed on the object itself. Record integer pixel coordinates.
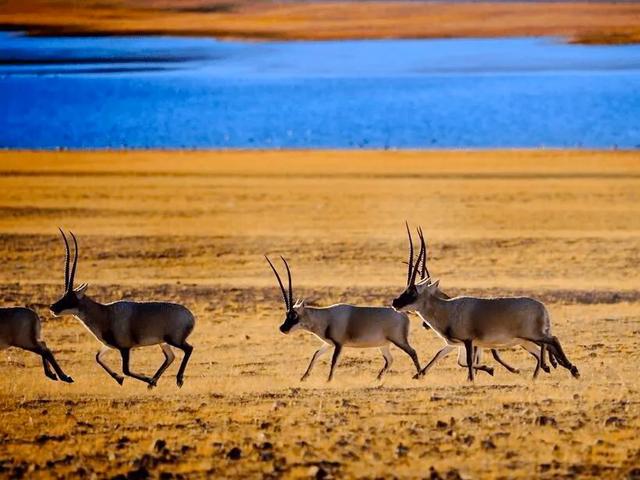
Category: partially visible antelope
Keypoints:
(20, 328)
(424, 273)
(124, 325)
(345, 325)
(481, 322)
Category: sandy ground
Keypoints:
(192, 227)
(580, 22)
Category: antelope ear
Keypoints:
(79, 290)
(300, 303)
(433, 286)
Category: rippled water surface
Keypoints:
(200, 93)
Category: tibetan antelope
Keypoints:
(481, 322)
(20, 328)
(344, 325)
(125, 325)
(424, 273)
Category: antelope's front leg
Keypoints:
(334, 360)
(114, 375)
(125, 353)
(444, 351)
(318, 353)
(468, 344)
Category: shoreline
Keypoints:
(606, 23)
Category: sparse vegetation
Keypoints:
(561, 226)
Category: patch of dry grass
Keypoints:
(191, 227)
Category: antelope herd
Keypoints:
(466, 324)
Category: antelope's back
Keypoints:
(155, 322)
(371, 326)
(522, 315)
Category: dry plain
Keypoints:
(192, 227)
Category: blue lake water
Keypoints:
(201, 93)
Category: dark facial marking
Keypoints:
(68, 301)
(290, 321)
(406, 298)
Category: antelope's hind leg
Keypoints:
(118, 378)
(533, 349)
(187, 350)
(169, 357)
(49, 359)
(318, 353)
(47, 368)
(388, 360)
(408, 349)
(541, 363)
(554, 346)
(497, 358)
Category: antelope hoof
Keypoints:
(180, 382)
(152, 383)
(303, 378)
(490, 371)
(66, 379)
(52, 376)
(119, 379)
(575, 372)
(546, 369)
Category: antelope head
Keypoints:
(295, 311)
(407, 299)
(69, 303)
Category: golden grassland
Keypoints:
(563, 226)
(580, 22)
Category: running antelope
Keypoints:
(20, 327)
(344, 325)
(481, 322)
(424, 273)
(125, 325)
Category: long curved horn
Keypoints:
(290, 284)
(66, 260)
(425, 271)
(417, 265)
(284, 294)
(410, 261)
(72, 276)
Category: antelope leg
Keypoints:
(334, 360)
(168, 360)
(46, 354)
(318, 353)
(477, 357)
(388, 360)
(409, 350)
(497, 358)
(125, 353)
(443, 352)
(187, 349)
(118, 378)
(468, 345)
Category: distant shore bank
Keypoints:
(579, 22)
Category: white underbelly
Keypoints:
(369, 343)
(489, 343)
